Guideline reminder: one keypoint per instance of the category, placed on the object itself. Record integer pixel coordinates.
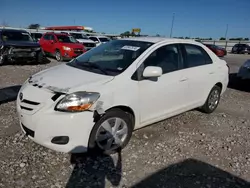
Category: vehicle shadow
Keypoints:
(238, 84)
(9, 94)
(192, 173)
(92, 170)
(23, 62)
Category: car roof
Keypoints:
(65, 34)
(99, 36)
(159, 39)
(14, 30)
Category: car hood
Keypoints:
(73, 45)
(21, 44)
(85, 40)
(64, 78)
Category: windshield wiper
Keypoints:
(89, 65)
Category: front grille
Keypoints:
(78, 51)
(28, 131)
(31, 105)
(89, 44)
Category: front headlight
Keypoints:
(77, 102)
(66, 48)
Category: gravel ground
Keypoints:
(189, 150)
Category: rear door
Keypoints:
(201, 72)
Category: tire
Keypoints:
(207, 107)
(58, 55)
(41, 58)
(2, 60)
(94, 144)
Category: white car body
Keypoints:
(151, 101)
(88, 44)
(97, 39)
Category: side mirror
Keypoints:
(52, 41)
(152, 71)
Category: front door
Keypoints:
(163, 96)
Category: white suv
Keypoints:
(96, 100)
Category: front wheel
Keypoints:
(111, 132)
(212, 101)
(2, 60)
(58, 55)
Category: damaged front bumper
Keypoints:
(14, 54)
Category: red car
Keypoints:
(60, 45)
(220, 52)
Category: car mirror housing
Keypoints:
(152, 71)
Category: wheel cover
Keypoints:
(213, 99)
(1, 60)
(58, 56)
(111, 134)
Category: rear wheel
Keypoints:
(2, 60)
(112, 132)
(40, 57)
(58, 55)
(212, 100)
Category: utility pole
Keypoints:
(226, 32)
(226, 37)
(172, 25)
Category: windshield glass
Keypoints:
(78, 36)
(66, 39)
(16, 36)
(102, 39)
(112, 57)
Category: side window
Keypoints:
(94, 39)
(195, 56)
(52, 37)
(46, 37)
(167, 57)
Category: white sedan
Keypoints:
(95, 101)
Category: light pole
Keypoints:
(172, 25)
(226, 32)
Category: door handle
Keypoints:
(183, 79)
(211, 73)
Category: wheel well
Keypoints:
(121, 107)
(219, 85)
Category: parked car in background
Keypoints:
(220, 52)
(244, 71)
(36, 36)
(99, 39)
(16, 45)
(61, 45)
(83, 39)
(85, 104)
(241, 49)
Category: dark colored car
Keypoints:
(220, 52)
(241, 49)
(16, 45)
(61, 45)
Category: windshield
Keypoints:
(112, 57)
(66, 39)
(102, 39)
(16, 36)
(78, 36)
